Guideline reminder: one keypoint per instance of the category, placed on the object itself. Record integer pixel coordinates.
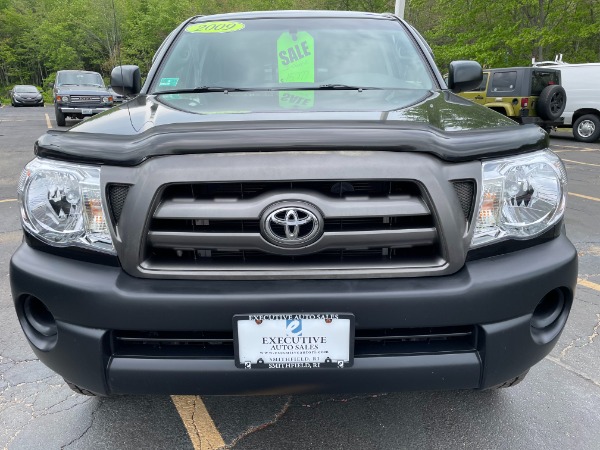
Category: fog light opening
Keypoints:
(550, 316)
(38, 323)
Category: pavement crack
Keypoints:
(344, 400)
(571, 344)
(93, 417)
(594, 334)
(573, 370)
(590, 339)
(47, 412)
(193, 419)
(262, 426)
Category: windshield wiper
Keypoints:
(326, 87)
(345, 87)
(202, 89)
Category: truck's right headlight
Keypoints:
(522, 197)
(61, 204)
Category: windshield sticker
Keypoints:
(296, 58)
(215, 27)
(169, 82)
(296, 64)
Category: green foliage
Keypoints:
(39, 37)
(509, 32)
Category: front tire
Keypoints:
(587, 128)
(60, 117)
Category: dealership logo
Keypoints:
(292, 226)
(293, 327)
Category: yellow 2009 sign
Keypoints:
(215, 27)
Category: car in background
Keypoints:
(26, 95)
(79, 94)
(117, 98)
(525, 94)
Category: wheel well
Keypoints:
(499, 109)
(583, 112)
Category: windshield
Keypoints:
(79, 79)
(26, 89)
(282, 54)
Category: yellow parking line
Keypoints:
(588, 284)
(197, 421)
(584, 149)
(48, 121)
(587, 197)
(8, 200)
(579, 162)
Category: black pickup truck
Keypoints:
(295, 202)
(79, 94)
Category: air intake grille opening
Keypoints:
(465, 190)
(117, 193)
(367, 343)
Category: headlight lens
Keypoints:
(61, 204)
(107, 99)
(63, 98)
(521, 197)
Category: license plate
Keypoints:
(86, 112)
(293, 341)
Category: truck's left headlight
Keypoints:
(61, 204)
(521, 197)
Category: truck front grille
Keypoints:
(85, 98)
(366, 223)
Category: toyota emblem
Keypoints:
(291, 225)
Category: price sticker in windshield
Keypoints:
(296, 64)
(296, 58)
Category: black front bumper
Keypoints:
(495, 296)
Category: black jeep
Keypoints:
(78, 94)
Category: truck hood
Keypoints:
(82, 90)
(439, 123)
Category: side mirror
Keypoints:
(464, 75)
(126, 80)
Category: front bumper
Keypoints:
(28, 101)
(82, 110)
(496, 296)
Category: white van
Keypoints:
(582, 84)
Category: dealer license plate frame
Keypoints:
(290, 366)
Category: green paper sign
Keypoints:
(215, 27)
(296, 64)
(296, 58)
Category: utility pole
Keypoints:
(400, 8)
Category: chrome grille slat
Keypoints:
(254, 241)
(250, 209)
(85, 99)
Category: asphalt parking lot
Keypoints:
(556, 407)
